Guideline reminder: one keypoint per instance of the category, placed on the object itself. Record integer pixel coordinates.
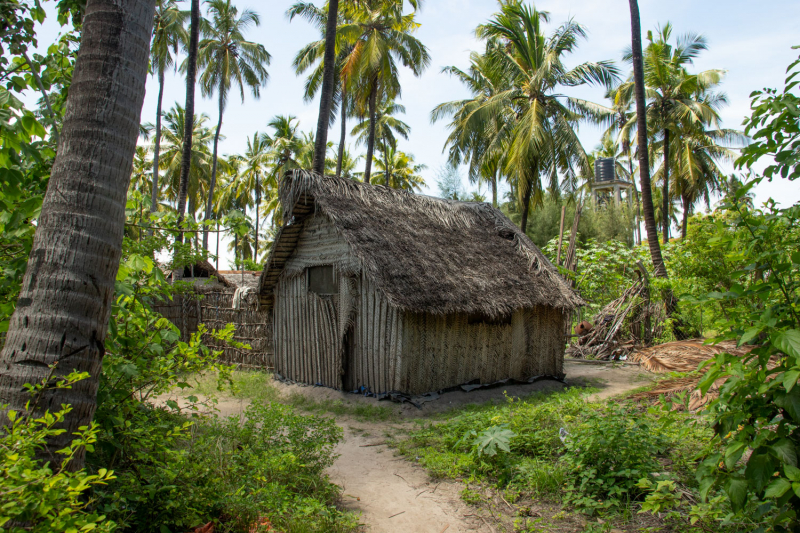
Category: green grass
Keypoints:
(362, 412)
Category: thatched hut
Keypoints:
(372, 288)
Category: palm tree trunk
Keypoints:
(526, 205)
(687, 206)
(343, 136)
(65, 302)
(665, 199)
(213, 184)
(191, 76)
(494, 187)
(373, 98)
(326, 98)
(258, 205)
(157, 147)
(636, 196)
(644, 165)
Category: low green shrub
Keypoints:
(608, 453)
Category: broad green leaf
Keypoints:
(788, 342)
(760, 468)
(736, 489)
(749, 335)
(792, 472)
(790, 379)
(777, 488)
(784, 450)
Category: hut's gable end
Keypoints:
(320, 244)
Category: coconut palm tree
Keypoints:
(398, 170)
(659, 267)
(172, 158)
(191, 78)
(168, 33)
(142, 173)
(539, 126)
(285, 144)
(228, 60)
(257, 163)
(485, 159)
(62, 313)
(380, 36)
(387, 126)
(676, 97)
(346, 163)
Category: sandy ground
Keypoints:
(396, 496)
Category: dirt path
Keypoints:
(394, 495)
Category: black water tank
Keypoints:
(604, 169)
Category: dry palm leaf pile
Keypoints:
(683, 356)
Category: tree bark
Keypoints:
(644, 164)
(64, 306)
(213, 184)
(665, 199)
(526, 205)
(687, 206)
(494, 187)
(258, 205)
(373, 98)
(328, 81)
(636, 196)
(343, 136)
(191, 76)
(157, 147)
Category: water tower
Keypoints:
(606, 185)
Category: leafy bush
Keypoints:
(40, 497)
(607, 454)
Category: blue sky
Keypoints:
(751, 40)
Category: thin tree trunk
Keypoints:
(46, 98)
(373, 97)
(157, 147)
(64, 306)
(217, 259)
(494, 186)
(665, 200)
(328, 81)
(343, 136)
(258, 205)
(644, 165)
(687, 206)
(191, 76)
(636, 196)
(213, 184)
(526, 205)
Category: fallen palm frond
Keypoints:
(683, 356)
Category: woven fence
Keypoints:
(214, 309)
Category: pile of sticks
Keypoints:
(613, 324)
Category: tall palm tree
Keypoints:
(674, 93)
(312, 57)
(485, 158)
(168, 33)
(346, 164)
(285, 144)
(191, 78)
(171, 162)
(659, 267)
(387, 127)
(380, 36)
(398, 170)
(539, 127)
(256, 167)
(227, 59)
(64, 305)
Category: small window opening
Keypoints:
(481, 318)
(322, 280)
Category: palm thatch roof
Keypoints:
(425, 254)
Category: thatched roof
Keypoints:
(425, 254)
(200, 273)
(235, 279)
